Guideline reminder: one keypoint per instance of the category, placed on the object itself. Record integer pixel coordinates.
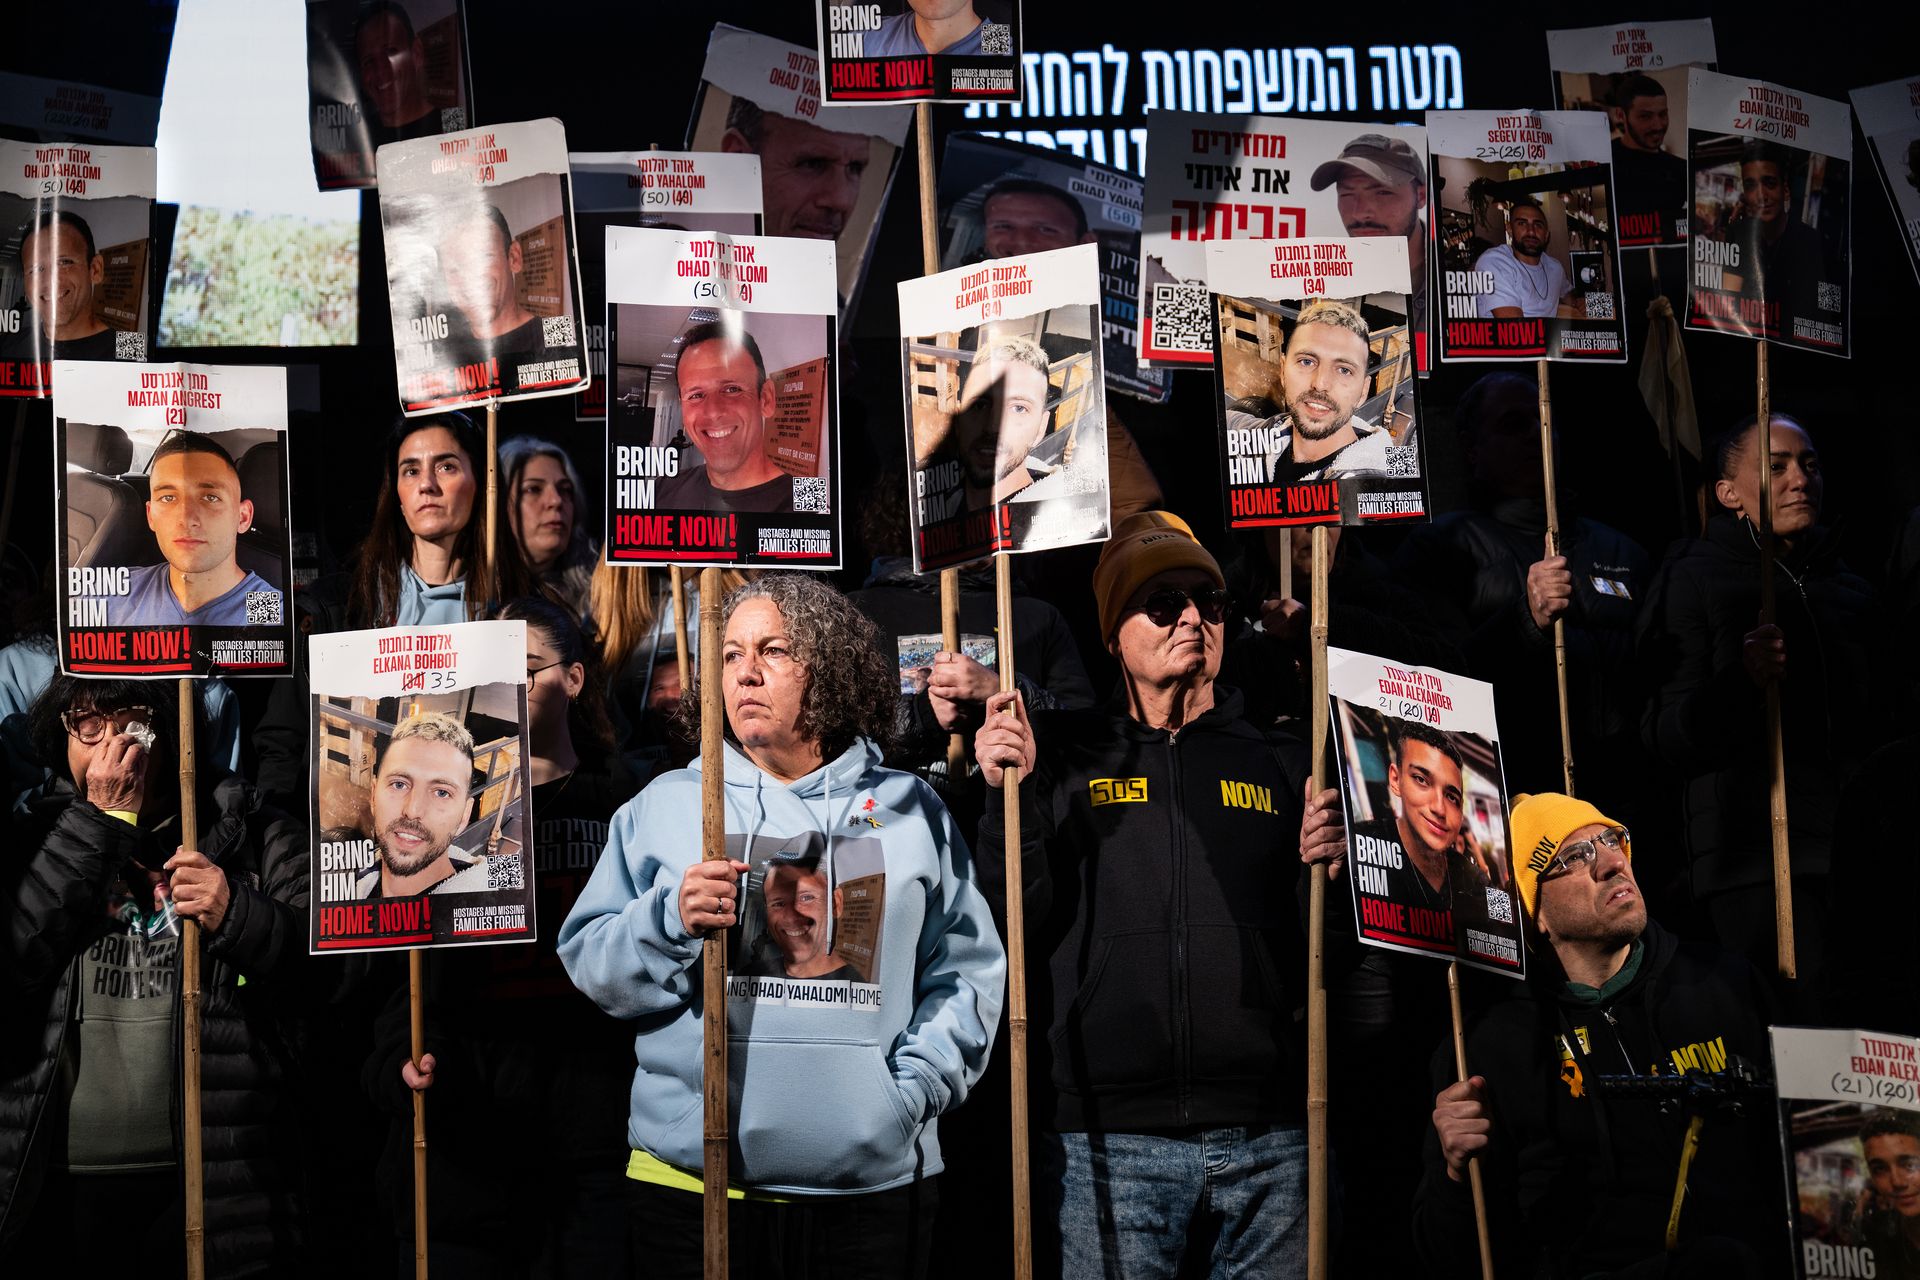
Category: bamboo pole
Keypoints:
(1776, 745)
(1553, 549)
(1473, 1165)
(1016, 948)
(490, 588)
(191, 1132)
(713, 959)
(677, 576)
(417, 1026)
(1319, 1189)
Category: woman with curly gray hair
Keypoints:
(868, 971)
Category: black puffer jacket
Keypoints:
(1706, 719)
(54, 880)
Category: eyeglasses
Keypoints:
(534, 671)
(90, 726)
(1165, 606)
(1585, 851)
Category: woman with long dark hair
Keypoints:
(545, 503)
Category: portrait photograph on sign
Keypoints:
(1890, 118)
(382, 72)
(908, 51)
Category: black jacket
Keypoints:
(1162, 876)
(1706, 719)
(56, 877)
(1580, 1179)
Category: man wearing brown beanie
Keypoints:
(1584, 1169)
(1163, 851)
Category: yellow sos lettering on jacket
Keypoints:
(1116, 791)
(1244, 795)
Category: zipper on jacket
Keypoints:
(1177, 936)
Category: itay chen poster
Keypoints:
(174, 531)
(1428, 852)
(419, 787)
(481, 271)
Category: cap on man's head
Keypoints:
(1541, 824)
(1145, 546)
(1374, 155)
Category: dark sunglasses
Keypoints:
(1165, 606)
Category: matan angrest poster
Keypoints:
(1429, 858)
(419, 788)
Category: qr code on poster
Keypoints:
(1499, 906)
(504, 871)
(1179, 318)
(557, 331)
(263, 608)
(996, 38)
(1599, 306)
(810, 495)
(452, 119)
(1829, 296)
(1403, 461)
(129, 346)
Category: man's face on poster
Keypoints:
(196, 512)
(419, 802)
(797, 917)
(61, 277)
(1426, 781)
(1528, 227)
(809, 176)
(1643, 123)
(1324, 378)
(1370, 207)
(391, 64)
(725, 404)
(1002, 415)
(1763, 189)
(1018, 222)
(1893, 1166)
(478, 265)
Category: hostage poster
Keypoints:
(999, 199)
(1636, 72)
(1850, 1132)
(1772, 188)
(481, 271)
(824, 170)
(678, 190)
(1314, 367)
(1890, 117)
(1268, 178)
(1529, 267)
(897, 51)
(380, 72)
(419, 787)
(1426, 802)
(175, 535)
(723, 416)
(1006, 409)
(76, 254)
(810, 928)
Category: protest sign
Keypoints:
(1006, 412)
(1267, 178)
(1850, 1131)
(1529, 269)
(791, 948)
(678, 190)
(1001, 198)
(76, 251)
(724, 407)
(378, 73)
(1314, 368)
(1890, 117)
(481, 270)
(174, 531)
(419, 787)
(824, 170)
(1636, 72)
(1426, 803)
(891, 52)
(1770, 254)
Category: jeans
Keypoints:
(1219, 1203)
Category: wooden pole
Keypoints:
(490, 587)
(1776, 745)
(191, 1133)
(1553, 549)
(1016, 948)
(1319, 1189)
(417, 1025)
(678, 577)
(713, 958)
(1473, 1165)
(949, 578)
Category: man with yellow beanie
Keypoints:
(1581, 1174)
(1163, 851)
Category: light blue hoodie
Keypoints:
(833, 1084)
(423, 606)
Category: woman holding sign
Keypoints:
(879, 1016)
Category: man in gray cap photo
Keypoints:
(1382, 184)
